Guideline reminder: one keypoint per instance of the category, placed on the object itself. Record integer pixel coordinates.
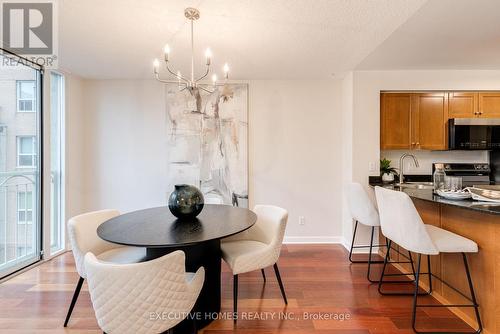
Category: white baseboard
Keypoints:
(312, 240)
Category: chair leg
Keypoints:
(370, 258)
(235, 297)
(73, 301)
(473, 295)
(415, 295)
(429, 273)
(263, 275)
(352, 242)
(278, 276)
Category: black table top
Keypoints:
(158, 228)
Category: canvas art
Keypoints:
(208, 142)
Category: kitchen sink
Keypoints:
(415, 185)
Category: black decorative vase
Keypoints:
(185, 201)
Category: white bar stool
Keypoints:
(401, 223)
(362, 211)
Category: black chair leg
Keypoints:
(473, 295)
(429, 273)
(415, 294)
(263, 274)
(73, 301)
(235, 297)
(352, 242)
(370, 258)
(278, 276)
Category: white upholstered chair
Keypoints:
(258, 247)
(142, 298)
(362, 211)
(401, 223)
(83, 236)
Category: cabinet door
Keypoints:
(395, 130)
(489, 105)
(429, 118)
(462, 105)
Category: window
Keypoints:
(26, 152)
(26, 96)
(25, 207)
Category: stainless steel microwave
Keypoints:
(474, 134)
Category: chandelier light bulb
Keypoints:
(166, 51)
(208, 55)
(226, 70)
(156, 65)
(214, 78)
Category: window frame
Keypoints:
(33, 154)
(25, 209)
(18, 96)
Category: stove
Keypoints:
(471, 173)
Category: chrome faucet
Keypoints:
(401, 165)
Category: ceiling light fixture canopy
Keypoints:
(191, 83)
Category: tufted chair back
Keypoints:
(83, 236)
(142, 298)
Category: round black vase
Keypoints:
(185, 201)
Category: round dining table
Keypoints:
(160, 233)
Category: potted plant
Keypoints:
(386, 171)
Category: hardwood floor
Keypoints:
(318, 280)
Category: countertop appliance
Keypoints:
(471, 173)
(474, 134)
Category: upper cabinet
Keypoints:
(429, 114)
(413, 121)
(489, 105)
(395, 119)
(463, 105)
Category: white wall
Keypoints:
(366, 109)
(295, 148)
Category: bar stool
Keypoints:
(362, 211)
(401, 223)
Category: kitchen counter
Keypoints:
(428, 195)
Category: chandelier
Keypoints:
(192, 84)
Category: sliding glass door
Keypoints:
(20, 161)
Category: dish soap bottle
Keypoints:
(438, 177)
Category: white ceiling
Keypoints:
(443, 34)
(260, 39)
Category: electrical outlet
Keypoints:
(302, 220)
(371, 167)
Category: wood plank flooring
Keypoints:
(318, 280)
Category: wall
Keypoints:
(295, 145)
(366, 108)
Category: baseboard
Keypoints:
(313, 240)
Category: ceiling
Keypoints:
(260, 39)
(443, 34)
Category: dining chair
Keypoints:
(401, 223)
(142, 298)
(82, 231)
(257, 248)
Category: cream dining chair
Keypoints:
(257, 248)
(142, 298)
(83, 236)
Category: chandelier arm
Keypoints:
(204, 75)
(176, 75)
(206, 90)
(157, 77)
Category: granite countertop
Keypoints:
(428, 195)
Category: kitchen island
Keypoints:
(478, 221)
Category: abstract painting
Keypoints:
(208, 142)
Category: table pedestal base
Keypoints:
(208, 255)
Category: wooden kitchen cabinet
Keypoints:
(395, 121)
(489, 105)
(413, 121)
(463, 105)
(429, 118)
